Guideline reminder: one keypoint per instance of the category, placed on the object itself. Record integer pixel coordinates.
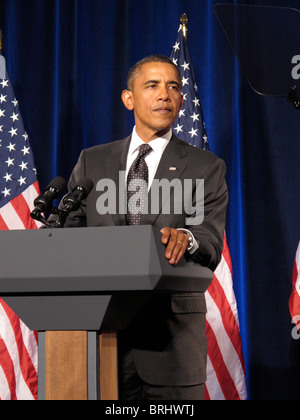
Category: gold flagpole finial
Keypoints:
(183, 24)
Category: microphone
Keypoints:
(44, 201)
(72, 200)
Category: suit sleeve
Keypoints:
(210, 233)
(77, 218)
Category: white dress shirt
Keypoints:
(158, 146)
(153, 158)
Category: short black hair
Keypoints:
(155, 58)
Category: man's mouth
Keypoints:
(163, 110)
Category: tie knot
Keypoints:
(144, 149)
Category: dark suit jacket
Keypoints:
(168, 336)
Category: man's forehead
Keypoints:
(158, 70)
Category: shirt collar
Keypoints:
(158, 145)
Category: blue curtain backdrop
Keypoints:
(68, 61)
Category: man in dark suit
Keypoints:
(162, 354)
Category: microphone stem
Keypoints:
(41, 219)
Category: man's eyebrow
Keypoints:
(173, 82)
(151, 82)
(156, 82)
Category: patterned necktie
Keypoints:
(137, 183)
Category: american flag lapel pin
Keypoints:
(172, 168)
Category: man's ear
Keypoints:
(127, 99)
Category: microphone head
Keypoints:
(58, 184)
(73, 200)
(85, 185)
(44, 201)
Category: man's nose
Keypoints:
(164, 94)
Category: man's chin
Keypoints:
(162, 131)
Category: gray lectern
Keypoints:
(87, 279)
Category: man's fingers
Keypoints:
(166, 232)
(178, 249)
(176, 242)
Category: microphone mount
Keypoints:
(72, 201)
(43, 203)
(54, 210)
(69, 203)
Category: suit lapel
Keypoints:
(172, 165)
(117, 164)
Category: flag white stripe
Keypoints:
(231, 358)
(7, 334)
(213, 386)
(18, 362)
(224, 277)
(193, 131)
(5, 394)
(29, 196)
(30, 343)
(11, 217)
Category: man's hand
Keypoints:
(176, 242)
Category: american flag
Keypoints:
(189, 125)
(294, 301)
(226, 378)
(18, 189)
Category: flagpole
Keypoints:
(183, 24)
(2, 60)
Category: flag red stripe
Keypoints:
(20, 205)
(27, 368)
(3, 225)
(295, 273)
(18, 371)
(222, 317)
(8, 369)
(37, 187)
(216, 320)
(206, 394)
(294, 301)
(226, 254)
(217, 294)
(36, 335)
(213, 390)
(224, 378)
(293, 304)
